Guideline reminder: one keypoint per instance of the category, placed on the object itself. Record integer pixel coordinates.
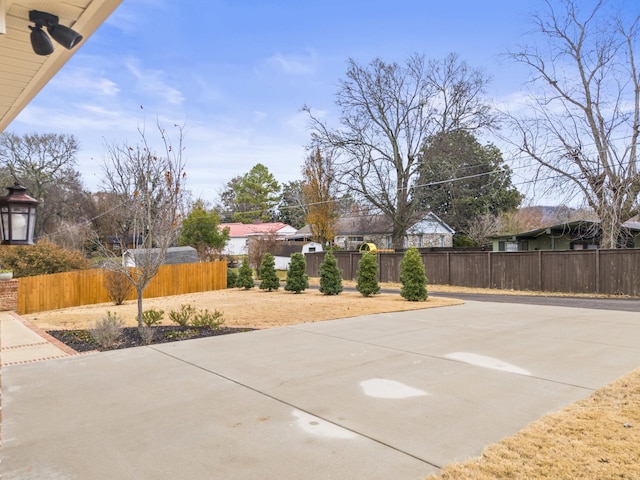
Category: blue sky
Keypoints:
(235, 73)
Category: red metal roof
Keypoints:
(245, 229)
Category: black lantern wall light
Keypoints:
(40, 41)
(17, 216)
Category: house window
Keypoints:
(504, 246)
(524, 245)
(356, 238)
(312, 249)
(420, 245)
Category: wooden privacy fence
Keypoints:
(613, 272)
(86, 287)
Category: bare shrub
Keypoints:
(117, 285)
(107, 331)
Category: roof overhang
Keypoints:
(23, 73)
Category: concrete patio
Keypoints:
(394, 395)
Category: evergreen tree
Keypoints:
(251, 197)
(368, 275)
(297, 279)
(483, 180)
(245, 275)
(200, 230)
(232, 278)
(412, 276)
(270, 280)
(330, 275)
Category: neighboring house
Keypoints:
(577, 235)
(240, 233)
(352, 231)
(116, 242)
(174, 255)
(285, 249)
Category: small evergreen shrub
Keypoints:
(206, 319)
(117, 285)
(367, 283)
(232, 277)
(297, 278)
(152, 317)
(107, 331)
(183, 316)
(330, 275)
(268, 275)
(412, 276)
(188, 316)
(245, 275)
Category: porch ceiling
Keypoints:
(23, 73)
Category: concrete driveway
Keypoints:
(375, 397)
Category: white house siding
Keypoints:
(236, 246)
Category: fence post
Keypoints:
(489, 269)
(597, 270)
(540, 271)
(448, 268)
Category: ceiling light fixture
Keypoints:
(40, 41)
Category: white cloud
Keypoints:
(296, 65)
(298, 122)
(150, 81)
(259, 116)
(86, 80)
(129, 16)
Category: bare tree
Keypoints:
(387, 111)
(481, 227)
(260, 245)
(46, 165)
(148, 187)
(582, 121)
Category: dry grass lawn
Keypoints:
(253, 308)
(596, 438)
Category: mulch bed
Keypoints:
(82, 341)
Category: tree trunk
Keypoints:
(609, 228)
(139, 290)
(397, 238)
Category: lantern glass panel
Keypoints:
(19, 223)
(4, 223)
(32, 223)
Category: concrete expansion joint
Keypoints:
(297, 407)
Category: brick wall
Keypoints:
(8, 295)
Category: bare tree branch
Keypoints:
(582, 121)
(387, 111)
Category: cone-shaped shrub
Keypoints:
(368, 275)
(245, 275)
(232, 278)
(330, 275)
(270, 280)
(412, 276)
(297, 279)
